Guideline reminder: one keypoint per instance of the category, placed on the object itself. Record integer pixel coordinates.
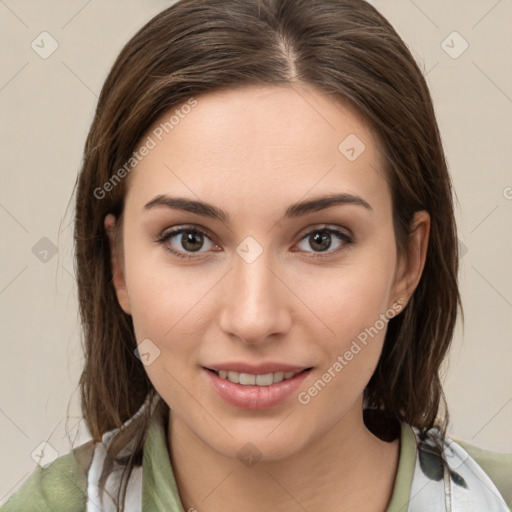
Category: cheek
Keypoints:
(351, 298)
(168, 304)
(169, 308)
(354, 302)
(163, 296)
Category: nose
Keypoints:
(256, 302)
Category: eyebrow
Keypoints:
(293, 211)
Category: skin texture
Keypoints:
(253, 152)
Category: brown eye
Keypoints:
(322, 239)
(191, 241)
(183, 241)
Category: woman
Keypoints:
(267, 272)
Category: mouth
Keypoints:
(264, 388)
(253, 379)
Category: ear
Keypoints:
(410, 267)
(116, 262)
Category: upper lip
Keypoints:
(256, 369)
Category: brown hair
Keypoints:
(342, 47)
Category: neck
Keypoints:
(347, 468)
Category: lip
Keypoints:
(255, 398)
(256, 369)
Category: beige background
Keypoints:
(47, 106)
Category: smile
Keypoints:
(248, 379)
(255, 391)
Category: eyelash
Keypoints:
(341, 235)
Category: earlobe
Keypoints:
(411, 266)
(117, 265)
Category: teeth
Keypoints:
(278, 377)
(248, 379)
(234, 377)
(264, 380)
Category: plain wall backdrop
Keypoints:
(55, 58)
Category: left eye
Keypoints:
(321, 239)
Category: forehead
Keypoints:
(262, 146)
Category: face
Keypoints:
(252, 284)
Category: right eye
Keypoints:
(184, 241)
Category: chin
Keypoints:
(252, 443)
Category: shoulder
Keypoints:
(462, 473)
(59, 487)
(497, 466)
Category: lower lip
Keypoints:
(255, 398)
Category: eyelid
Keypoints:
(320, 227)
(175, 230)
(185, 227)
